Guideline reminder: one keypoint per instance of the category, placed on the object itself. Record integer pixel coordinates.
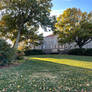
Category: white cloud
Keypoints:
(56, 12)
(53, 13)
(45, 33)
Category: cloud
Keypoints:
(56, 12)
(45, 33)
(53, 13)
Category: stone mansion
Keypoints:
(51, 45)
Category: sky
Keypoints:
(60, 5)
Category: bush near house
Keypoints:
(33, 52)
(81, 51)
(77, 51)
(19, 54)
(7, 53)
(88, 52)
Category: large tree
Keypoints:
(18, 16)
(74, 26)
(33, 40)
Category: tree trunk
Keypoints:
(34, 47)
(17, 40)
(79, 43)
(80, 46)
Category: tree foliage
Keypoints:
(74, 26)
(21, 15)
(6, 53)
(33, 40)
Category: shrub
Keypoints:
(19, 55)
(6, 53)
(33, 52)
(88, 52)
(77, 51)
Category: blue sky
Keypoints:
(61, 5)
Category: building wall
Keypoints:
(50, 44)
(89, 45)
(73, 45)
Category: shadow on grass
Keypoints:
(76, 61)
(44, 66)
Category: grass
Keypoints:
(38, 76)
(76, 63)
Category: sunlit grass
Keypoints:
(70, 62)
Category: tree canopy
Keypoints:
(21, 17)
(74, 26)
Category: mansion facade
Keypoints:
(51, 45)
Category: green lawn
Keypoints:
(42, 76)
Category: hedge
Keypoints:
(33, 52)
(82, 51)
(88, 52)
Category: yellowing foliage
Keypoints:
(74, 26)
(2, 23)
